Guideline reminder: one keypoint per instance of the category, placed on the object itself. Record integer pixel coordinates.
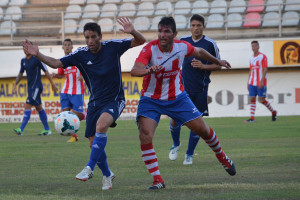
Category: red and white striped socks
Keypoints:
(268, 105)
(213, 142)
(252, 109)
(150, 160)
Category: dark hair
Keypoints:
(68, 40)
(254, 41)
(168, 21)
(198, 18)
(91, 26)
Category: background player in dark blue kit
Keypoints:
(33, 68)
(195, 75)
(99, 64)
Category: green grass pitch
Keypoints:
(266, 155)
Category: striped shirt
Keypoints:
(257, 63)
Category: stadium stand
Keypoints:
(127, 9)
(200, 7)
(255, 6)
(182, 8)
(290, 19)
(274, 5)
(81, 25)
(237, 6)
(215, 21)
(91, 11)
(181, 22)
(218, 7)
(292, 5)
(271, 19)
(4, 2)
(252, 20)
(17, 2)
(77, 2)
(154, 23)
(142, 23)
(109, 10)
(73, 12)
(70, 26)
(145, 9)
(235, 20)
(1, 13)
(107, 25)
(13, 12)
(7, 27)
(94, 1)
(163, 8)
(112, 1)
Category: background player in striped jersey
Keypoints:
(99, 64)
(163, 93)
(33, 68)
(72, 93)
(257, 82)
(195, 75)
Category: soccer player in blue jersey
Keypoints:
(195, 74)
(33, 68)
(99, 64)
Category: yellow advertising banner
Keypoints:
(286, 52)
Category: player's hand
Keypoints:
(153, 69)
(14, 90)
(261, 85)
(224, 63)
(126, 24)
(54, 88)
(29, 48)
(197, 63)
(80, 78)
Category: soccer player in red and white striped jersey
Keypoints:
(72, 93)
(257, 82)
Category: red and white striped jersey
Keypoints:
(165, 84)
(257, 63)
(72, 85)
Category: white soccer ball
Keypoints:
(67, 123)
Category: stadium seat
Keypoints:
(81, 25)
(109, 10)
(271, 19)
(182, 8)
(237, 6)
(154, 23)
(77, 1)
(255, 6)
(111, 1)
(200, 7)
(163, 8)
(73, 12)
(180, 22)
(70, 26)
(107, 25)
(215, 21)
(273, 5)
(235, 20)
(148, 0)
(17, 2)
(5, 28)
(127, 9)
(292, 5)
(290, 19)
(252, 20)
(130, 1)
(94, 1)
(13, 12)
(3, 2)
(1, 13)
(145, 9)
(141, 23)
(91, 11)
(218, 7)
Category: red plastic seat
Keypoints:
(252, 20)
(255, 6)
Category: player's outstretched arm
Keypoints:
(203, 54)
(209, 67)
(33, 49)
(139, 69)
(138, 38)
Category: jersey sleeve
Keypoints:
(190, 49)
(145, 55)
(22, 69)
(69, 60)
(264, 62)
(61, 71)
(122, 45)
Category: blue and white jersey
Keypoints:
(33, 69)
(194, 80)
(101, 71)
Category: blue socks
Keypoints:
(98, 154)
(43, 117)
(193, 141)
(175, 132)
(26, 118)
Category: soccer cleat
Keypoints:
(85, 174)
(249, 121)
(45, 132)
(73, 139)
(188, 159)
(107, 181)
(157, 185)
(227, 164)
(274, 116)
(174, 152)
(18, 131)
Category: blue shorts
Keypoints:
(200, 101)
(255, 91)
(34, 96)
(74, 102)
(182, 109)
(114, 108)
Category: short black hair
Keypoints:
(254, 41)
(168, 21)
(91, 26)
(199, 18)
(68, 40)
